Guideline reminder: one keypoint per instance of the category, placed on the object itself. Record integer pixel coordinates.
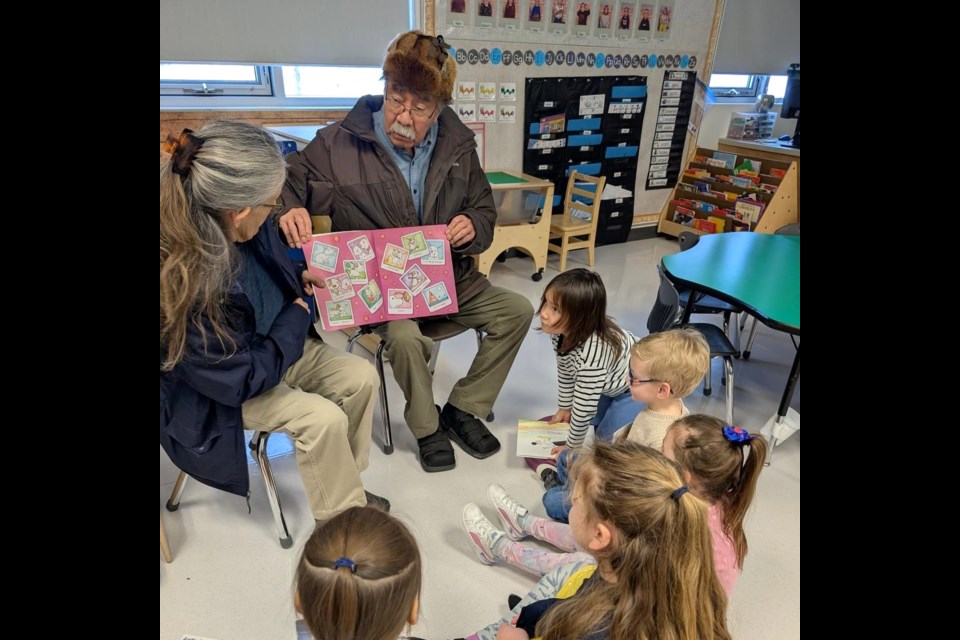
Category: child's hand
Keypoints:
(562, 415)
(506, 632)
(556, 451)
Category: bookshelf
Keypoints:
(781, 205)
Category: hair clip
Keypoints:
(182, 149)
(677, 494)
(345, 562)
(737, 434)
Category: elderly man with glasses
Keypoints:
(400, 160)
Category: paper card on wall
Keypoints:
(466, 91)
(551, 124)
(510, 15)
(508, 91)
(487, 91)
(487, 112)
(646, 20)
(592, 104)
(626, 19)
(480, 133)
(535, 18)
(664, 19)
(457, 15)
(582, 18)
(558, 17)
(486, 13)
(507, 113)
(467, 111)
(606, 14)
(410, 266)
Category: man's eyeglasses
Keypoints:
(636, 381)
(395, 105)
(274, 208)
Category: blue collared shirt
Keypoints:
(414, 169)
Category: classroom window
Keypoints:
(331, 82)
(291, 86)
(730, 87)
(195, 79)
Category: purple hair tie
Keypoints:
(678, 493)
(737, 434)
(345, 562)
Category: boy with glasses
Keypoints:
(664, 368)
(400, 160)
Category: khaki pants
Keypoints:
(325, 402)
(504, 316)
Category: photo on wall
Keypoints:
(605, 13)
(582, 21)
(535, 17)
(625, 20)
(457, 14)
(664, 20)
(510, 16)
(486, 14)
(645, 20)
(558, 18)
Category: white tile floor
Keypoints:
(230, 580)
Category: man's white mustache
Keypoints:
(406, 132)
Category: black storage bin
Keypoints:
(616, 218)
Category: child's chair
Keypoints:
(437, 330)
(666, 314)
(258, 444)
(572, 232)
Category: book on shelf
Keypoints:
(728, 159)
(748, 211)
(536, 438)
(379, 275)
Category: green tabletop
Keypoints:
(757, 271)
(501, 177)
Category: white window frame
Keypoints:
(262, 86)
(757, 86)
(274, 98)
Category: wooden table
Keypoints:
(515, 229)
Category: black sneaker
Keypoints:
(377, 502)
(550, 478)
(436, 453)
(468, 432)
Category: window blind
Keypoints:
(345, 32)
(760, 37)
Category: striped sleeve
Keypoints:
(588, 367)
(587, 372)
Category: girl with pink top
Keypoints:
(721, 464)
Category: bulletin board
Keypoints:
(499, 46)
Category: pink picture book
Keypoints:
(379, 275)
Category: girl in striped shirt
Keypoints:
(593, 356)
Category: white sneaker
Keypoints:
(508, 510)
(483, 535)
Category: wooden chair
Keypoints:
(577, 233)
